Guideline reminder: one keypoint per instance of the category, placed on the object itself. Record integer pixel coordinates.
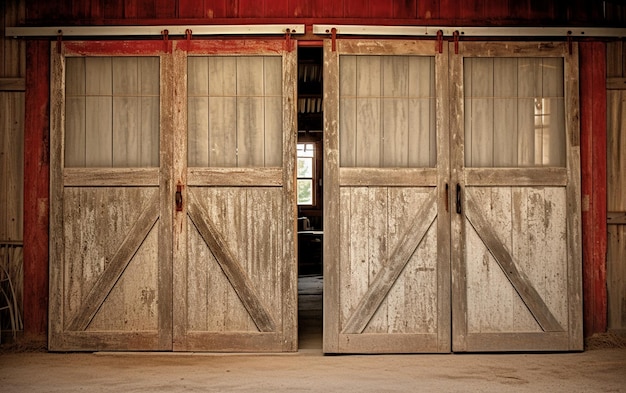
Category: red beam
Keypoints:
(36, 188)
(593, 165)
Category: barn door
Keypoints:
(386, 241)
(235, 272)
(110, 242)
(516, 251)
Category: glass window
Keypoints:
(306, 174)
(514, 112)
(112, 112)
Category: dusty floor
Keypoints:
(310, 371)
(601, 370)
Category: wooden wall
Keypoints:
(616, 184)
(11, 125)
(12, 71)
(479, 11)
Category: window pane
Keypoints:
(514, 112)
(305, 167)
(387, 111)
(112, 112)
(234, 111)
(305, 192)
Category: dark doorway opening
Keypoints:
(310, 202)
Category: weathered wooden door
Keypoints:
(110, 216)
(386, 218)
(451, 238)
(516, 250)
(235, 269)
(173, 204)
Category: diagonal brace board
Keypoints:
(119, 262)
(232, 270)
(387, 276)
(518, 279)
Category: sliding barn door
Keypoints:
(235, 272)
(516, 255)
(110, 229)
(386, 241)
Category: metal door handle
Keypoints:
(458, 198)
(178, 198)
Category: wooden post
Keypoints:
(593, 162)
(36, 188)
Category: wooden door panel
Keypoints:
(519, 234)
(386, 221)
(387, 258)
(235, 264)
(516, 232)
(247, 249)
(110, 264)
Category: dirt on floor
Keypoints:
(32, 369)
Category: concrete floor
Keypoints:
(308, 370)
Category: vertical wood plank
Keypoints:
(288, 272)
(332, 198)
(442, 133)
(12, 165)
(37, 178)
(378, 251)
(593, 148)
(573, 190)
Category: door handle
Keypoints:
(178, 198)
(458, 199)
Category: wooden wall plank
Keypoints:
(616, 183)
(280, 8)
(426, 9)
(593, 166)
(534, 11)
(251, 8)
(12, 166)
(381, 9)
(36, 171)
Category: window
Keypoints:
(306, 173)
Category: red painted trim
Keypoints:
(36, 187)
(593, 169)
(112, 48)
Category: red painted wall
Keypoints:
(36, 187)
(530, 12)
(593, 169)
